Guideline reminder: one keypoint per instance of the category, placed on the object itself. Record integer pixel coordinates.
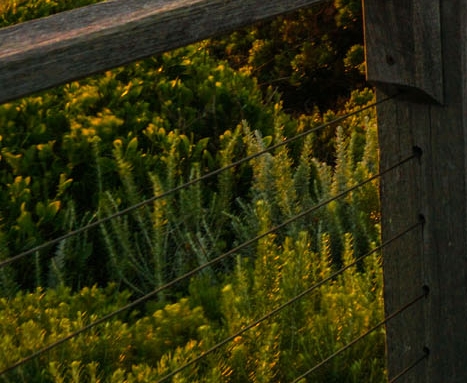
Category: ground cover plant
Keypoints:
(88, 149)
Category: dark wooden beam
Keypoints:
(427, 40)
(42, 53)
(403, 39)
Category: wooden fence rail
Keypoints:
(43, 53)
(415, 47)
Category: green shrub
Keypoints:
(89, 149)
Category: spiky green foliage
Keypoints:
(153, 241)
(91, 148)
(108, 141)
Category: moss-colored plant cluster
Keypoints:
(86, 150)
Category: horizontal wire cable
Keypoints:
(201, 267)
(186, 185)
(365, 334)
(288, 303)
(426, 353)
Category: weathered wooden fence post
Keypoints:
(419, 47)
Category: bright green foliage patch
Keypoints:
(146, 348)
(90, 148)
(86, 150)
(148, 344)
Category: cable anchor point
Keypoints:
(417, 151)
(421, 219)
(426, 290)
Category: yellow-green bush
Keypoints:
(93, 147)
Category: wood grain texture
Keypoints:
(403, 47)
(42, 53)
(401, 203)
(435, 187)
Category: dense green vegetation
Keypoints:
(314, 57)
(81, 152)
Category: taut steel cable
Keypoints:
(426, 353)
